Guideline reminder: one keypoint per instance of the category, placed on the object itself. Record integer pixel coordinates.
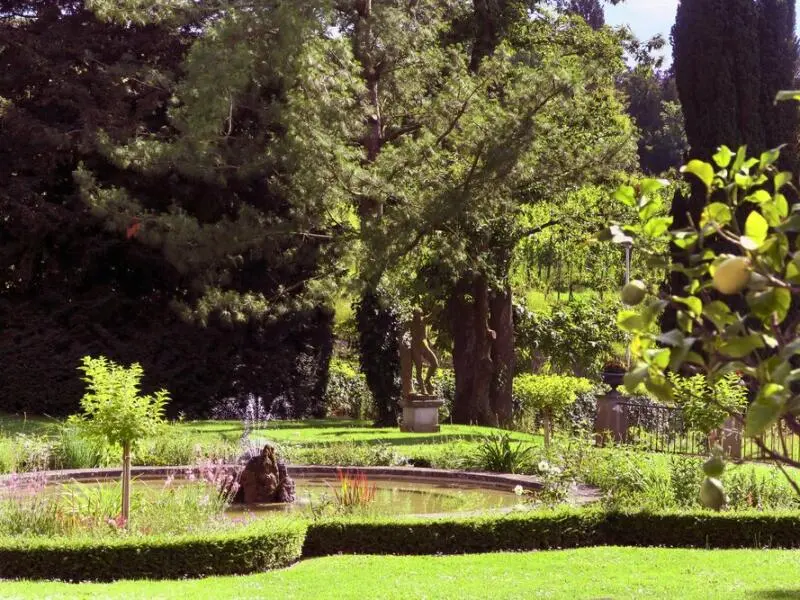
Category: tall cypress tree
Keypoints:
(717, 72)
(779, 62)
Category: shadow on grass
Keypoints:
(778, 594)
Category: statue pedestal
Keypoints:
(420, 413)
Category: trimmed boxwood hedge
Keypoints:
(257, 547)
(551, 530)
(275, 543)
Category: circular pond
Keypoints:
(392, 490)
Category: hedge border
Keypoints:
(272, 544)
(257, 547)
(571, 528)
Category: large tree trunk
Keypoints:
(472, 347)
(501, 320)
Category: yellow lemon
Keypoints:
(732, 275)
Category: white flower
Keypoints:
(518, 490)
(543, 466)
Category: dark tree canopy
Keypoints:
(73, 283)
(730, 59)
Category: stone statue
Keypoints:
(264, 479)
(421, 353)
(420, 405)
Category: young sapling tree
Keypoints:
(114, 410)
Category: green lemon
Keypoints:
(714, 466)
(634, 292)
(711, 493)
(732, 275)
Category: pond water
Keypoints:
(397, 497)
(392, 496)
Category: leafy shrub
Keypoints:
(577, 337)
(747, 489)
(560, 528)
(444, 384)
(265, 544)
(71, 450)
(347, 394)
(497, 453)
(685, 478)
(345, 454)
(547, 398)
(581, 414)
(630, 479)
(705, 407)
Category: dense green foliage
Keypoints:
(379, 344)
(547, 398)
(733, 314)
(267, 544)
(113, 408)
(541, 530)
(577, 337)
(72, 285)
(705, 407)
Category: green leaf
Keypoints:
(687, 239)
(773, 301)
(659, 387)
(626, 195)
(766, 409)
(649, 185)
(630, 321)
(719, 313)
(702, 170)
(635, 377)
(756, 227)
(656, 227)
(717, 212)
(674, 337)
(782, 205)
(742, 346)
(741, 154)
(694, 304)
(658, 357)
(781, 179)
(723, 157)
(650, 207)
(759, 197)
(787, 95)
(769, 157)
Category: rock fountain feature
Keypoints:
(264, 479)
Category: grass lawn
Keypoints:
(327, 431)
(584, 573)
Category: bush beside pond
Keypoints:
(278, 542)
(267, 544)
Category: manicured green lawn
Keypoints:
(327, 431)
(584, 573)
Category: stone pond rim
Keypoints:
(580, 494)
(499, 481)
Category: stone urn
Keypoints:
(420, 413)
(264, 479)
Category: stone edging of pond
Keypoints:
(490, 480)
(580, 494)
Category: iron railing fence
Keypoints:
(658, 428)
